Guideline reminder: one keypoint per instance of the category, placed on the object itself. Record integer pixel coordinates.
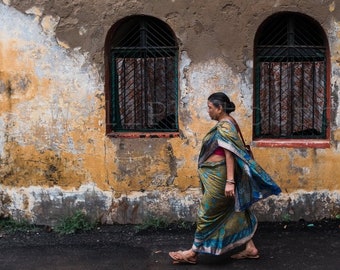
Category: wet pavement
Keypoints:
(285, 246)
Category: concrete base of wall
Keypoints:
(45, 206)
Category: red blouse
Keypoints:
(219, 151)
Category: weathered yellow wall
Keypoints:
(54, 155)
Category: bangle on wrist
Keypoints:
(231, 181)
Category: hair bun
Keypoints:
(221, 99)
(230, 107)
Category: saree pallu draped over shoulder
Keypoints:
(225, 223)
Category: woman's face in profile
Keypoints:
(213, 111)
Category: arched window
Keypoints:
(142, 56)
(291, 78)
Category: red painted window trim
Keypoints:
(293, 143)
(136, 135)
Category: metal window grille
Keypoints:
(144, 76)
(290, 86)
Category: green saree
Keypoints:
(225, 223)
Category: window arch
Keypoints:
(142, 59)
(291, 79)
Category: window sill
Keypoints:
(293, 143)
(136, 135)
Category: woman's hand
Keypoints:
(229, 190)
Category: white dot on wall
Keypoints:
(82, 31)
(249, 63)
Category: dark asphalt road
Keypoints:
(281, 246)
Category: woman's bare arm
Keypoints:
(230, 181)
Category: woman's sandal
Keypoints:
(179, 258)
(244, 255)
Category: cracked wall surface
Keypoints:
(54, 154)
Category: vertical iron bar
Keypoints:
(303, 96)
(154, 99)
(280, 105)
(290, 32)
(270, 70)
(165, 62)
(314, 98)
(144, 59)
(290, 61)
(324, 113)
(146, 91)
(124, 92)
(174, 84)
(291, 95)
(115, 96)
(135, 99)
(257, 103)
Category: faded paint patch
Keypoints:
(49, 117)
(138, 207)
(45, 206)
(298, 205)
(28, 167)
(292, 169)
(134, 171)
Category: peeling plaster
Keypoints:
(46, 205)
(49, 24)
(62, 75)
(35, 11)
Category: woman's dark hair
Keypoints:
(220, 99)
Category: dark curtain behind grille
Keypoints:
(146, 92)
(292, 98)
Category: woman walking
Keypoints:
(231, 182)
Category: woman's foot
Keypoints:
(245, 254)
(187, 256)
(250, 252)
